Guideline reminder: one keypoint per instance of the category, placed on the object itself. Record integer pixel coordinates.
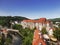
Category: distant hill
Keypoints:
(14, 18)
(5, 20)
(55, 20)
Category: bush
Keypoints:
(28, 37)
(16, 26)
(57, 34)
(27, 34)
(44, 31)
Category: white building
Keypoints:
(39, 24)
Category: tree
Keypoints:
(44, 30)
(56, 34)
(17, 26)
(27, 34)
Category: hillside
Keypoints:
(55, 20)
(5, 20)
(14, 18)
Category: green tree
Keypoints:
(28, 37)
(8, 41)
(27, 34)
(56, 34)
(44, 30)
(17, 26)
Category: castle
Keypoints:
(39, 24)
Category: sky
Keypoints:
(32, 9)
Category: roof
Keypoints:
(28, 20)
(41, 20)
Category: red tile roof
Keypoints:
(37, 39)
(41, 20)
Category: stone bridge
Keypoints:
(13, 31)
(15, 34)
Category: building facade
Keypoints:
(39, 24)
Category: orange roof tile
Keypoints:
(37, 39)
(28, 20)
(41, 20)
(48, 21)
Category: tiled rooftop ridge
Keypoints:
(41, 20)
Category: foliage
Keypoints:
(57, 33)
(59, 25)
(17, 26)
(44, 30)
(5, 20)
(28, 37)
(55, 20)
(5, 41)
(8, 41)
(14, 18)
(27, 34)
(0, 39)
